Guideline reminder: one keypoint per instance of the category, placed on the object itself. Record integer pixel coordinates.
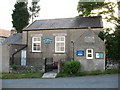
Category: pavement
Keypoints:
(100, 81)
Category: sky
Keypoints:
(50, 9)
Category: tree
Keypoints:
(102, 8)
(34, 9)
(20, 16)
(117, 44)
(85, 8)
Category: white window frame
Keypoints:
(36, 42)
(56, 51)
(89, 53)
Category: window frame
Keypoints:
(87, 53)
(56, 51)
(36, 42)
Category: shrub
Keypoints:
(14, 67)
(72, 67)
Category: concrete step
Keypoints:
(49, 75)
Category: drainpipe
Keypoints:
(17, 52)
(73, 49)
(20, 49)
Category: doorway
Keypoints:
(23, 58)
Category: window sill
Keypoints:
(59, 53)
(35, 52)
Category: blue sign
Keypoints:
(79, 53)
(47, 41)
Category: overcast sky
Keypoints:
(50, 9)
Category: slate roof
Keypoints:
(66, 23)
(13, 39)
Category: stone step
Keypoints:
(49, 75)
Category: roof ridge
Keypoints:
(68, 18)
(66, 23)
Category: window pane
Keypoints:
(62, 38)
(34, 46)
(57, 49)
(62, 44)
(62, 48)
(57, 38)
(57, 44)
(38, 47)
(89, 51)
(89, 55)
(37, 39)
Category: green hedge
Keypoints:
(72, 67)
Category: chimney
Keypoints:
(13, 31)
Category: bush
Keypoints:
(14, 67)
(72, 67)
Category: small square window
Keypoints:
(89, 53)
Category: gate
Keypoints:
(50, 65)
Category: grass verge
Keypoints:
(113, 71)
(21, 75)
(38, 75)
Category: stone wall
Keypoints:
(4, 56)
(75, 35)
(25, 69)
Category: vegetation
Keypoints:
(20, 16)
(112, 42)
(72, 67)
(113, 71)
(85, 8)
(21, 75)
(38, 75)
(14, 67)
(98, 9)
(34, 9)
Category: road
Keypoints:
(100, 81)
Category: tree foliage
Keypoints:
(102, 8)
(85, 8)
(34, 9)
(112, 42)
(20, 16)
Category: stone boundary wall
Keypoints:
(25, 69)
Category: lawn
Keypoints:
(113, 71)
(38, 75)
(21, 75)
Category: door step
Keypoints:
(49, 75)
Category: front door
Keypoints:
(23, 58)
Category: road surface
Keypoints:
(100, 81)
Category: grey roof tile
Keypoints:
(66, 23)
(13, 39)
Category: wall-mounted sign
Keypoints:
(99, 55)
(89, 39)
(47, 41)
(80, 53)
